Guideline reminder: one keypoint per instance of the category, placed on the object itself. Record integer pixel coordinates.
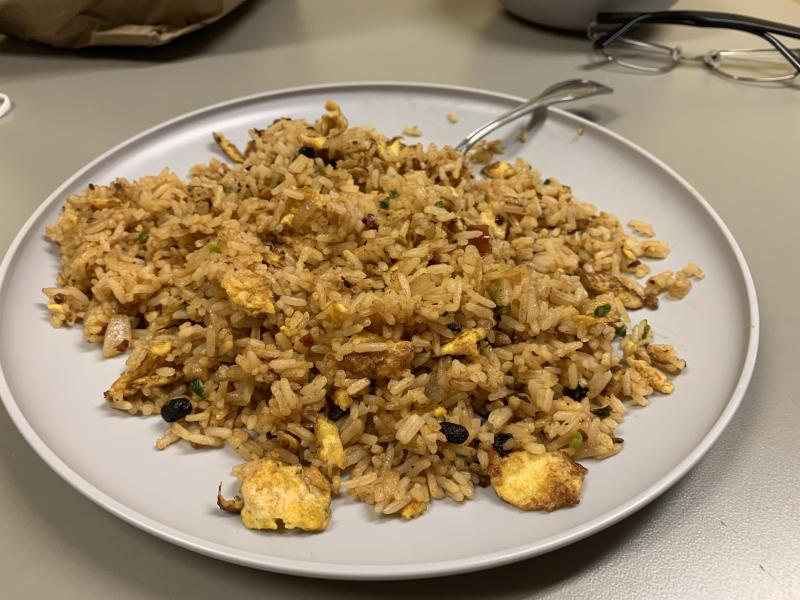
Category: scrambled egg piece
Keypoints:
(498, 230)
(657, 380)
(413, 509)
(329, 444)
(538, 481)
(128, 384)
(316, 142)
(603, 283)
(439, 411)
(665, 358)
(589, 320)
(394, 147)
(379, 365)
(464, 344)
(499, 170)
(334, 315)
(342, 399)
(250, 292)
(161, 349)
(230, 150)
(276, 492)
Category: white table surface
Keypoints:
(729, 529)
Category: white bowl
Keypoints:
(576, 14)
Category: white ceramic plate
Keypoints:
(52, 383)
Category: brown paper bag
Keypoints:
(80, 23)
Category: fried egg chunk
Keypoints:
(275, 491)
(545, 481)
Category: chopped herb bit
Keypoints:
(500, 440)
(576, 441)
(455, 433)
(321, 169)
(577, 394)
(226, 189)
(454, 327)
(602, 310)
(394, 194)
(384, 203)
(439, 204)
(646, 329)
(142, 239)
(197, 388)
(620, 331)
(602, 412)
(548, 181)
(214, 247)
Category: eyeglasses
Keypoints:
(779, 63)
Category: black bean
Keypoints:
(59, 298)
(335, 413)
(500, 440)
(499, 219)
(455, 433)
(577, 394)
(602, 412)
(454, 327)
(370, 221)
(308, 152)
(176, 409)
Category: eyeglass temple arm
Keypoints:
(699, 18)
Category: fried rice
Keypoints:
(441, 319)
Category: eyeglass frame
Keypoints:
(760, 27)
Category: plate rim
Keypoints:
(385, 572)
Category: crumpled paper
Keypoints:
(81, 23)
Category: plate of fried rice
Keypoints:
(299, 331)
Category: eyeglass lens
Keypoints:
(751, 64)
(641, 55)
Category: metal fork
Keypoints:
(564, 91)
